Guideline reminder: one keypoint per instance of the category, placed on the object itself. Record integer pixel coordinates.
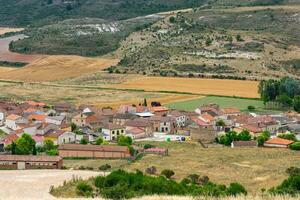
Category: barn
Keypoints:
(93, 151)
(30, 162)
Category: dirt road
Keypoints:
(35, 184)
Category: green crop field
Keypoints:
(242, 104)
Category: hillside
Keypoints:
(86, 37)
(36, 12)
(238, 43)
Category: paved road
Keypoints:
(35, 184)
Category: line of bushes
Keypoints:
(124, 185)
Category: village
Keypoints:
(91, 132)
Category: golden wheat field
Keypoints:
(4, 30)
(52, 68)
(194, 85)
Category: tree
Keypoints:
(73, 127)
(84, 141)
(145, 102)
(285, 100)
(168, 173)
(220, 123)
(99, 140)
(264, 136)
(172, 19)
(296, 104)
(25, 145)
(13, 148)
(34, 152)
(228, 138)
(124, 140)
(244, 136)
(52, 152)
(48, 145)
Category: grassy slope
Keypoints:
(255, 168)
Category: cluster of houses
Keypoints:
(156, 123)
(66, 125)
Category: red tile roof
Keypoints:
(279, 141)
(13, 117)
(37, 117)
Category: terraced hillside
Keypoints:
(238, 43)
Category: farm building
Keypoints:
(278, 142)
(93, 151)
(30, 162)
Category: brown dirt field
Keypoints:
(194, 85)
(52, 68)
(4, 30)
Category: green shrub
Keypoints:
(52, 152)
(168, 173)
(292, 171)
(251, 108)
(84, 189)
(287, 136)
(104, 167)
(295, 146)
(235, 189)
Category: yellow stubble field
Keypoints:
(237, 88)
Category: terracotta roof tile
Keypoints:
(279, 141)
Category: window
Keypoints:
(122, 131)
(113, 132)
(118, 132)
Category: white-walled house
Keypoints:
(61, 137)
(57, 120)
(111, 131)
(179, 117)
(2, 118)
(13, 120)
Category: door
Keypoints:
(21, 165)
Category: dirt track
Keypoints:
(6, 55)
(35, 184)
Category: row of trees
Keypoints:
(231, 136)
(286, 92)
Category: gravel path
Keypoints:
(35, 184)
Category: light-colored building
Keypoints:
(61, 137)
(111, 131)
(13, 120)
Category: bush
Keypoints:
(287, 136)
(168, 173)
(105, 167)
(84, 141)
(148, 146)
(151, 170)
(251, 108)
(124, 140)
(235, 189)
(264, 136)
(292, 171)
(84, 189)
(52, 152)
(295, 146)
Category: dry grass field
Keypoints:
(5, 69)
(52, 68)
(192, 85)
(80, 95)
(255, 168)
(4, 30)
